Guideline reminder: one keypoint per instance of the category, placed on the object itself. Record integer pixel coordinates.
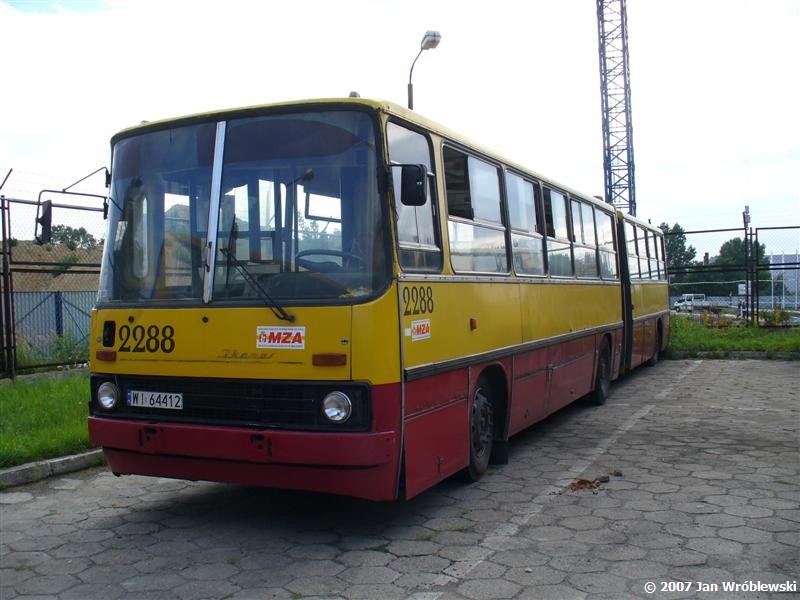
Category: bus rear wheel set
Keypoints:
(602, 381)
(481, 431)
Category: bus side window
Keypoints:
(654, 264)
(633, 259)
(523, 211)
(559, 248)
(474, 225)
(641, 245)
(585, 249)
(605, 245)
(419, 248)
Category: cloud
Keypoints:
(713, 90)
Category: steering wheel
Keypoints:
(327, 266)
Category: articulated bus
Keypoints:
(341, 296)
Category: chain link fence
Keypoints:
(745, 273)
(48, 290)
(780, 303)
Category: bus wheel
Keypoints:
(602, 380)
(481, 431)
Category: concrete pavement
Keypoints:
(687, 481)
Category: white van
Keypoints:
(689, 302)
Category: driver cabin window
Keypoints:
(417, 233)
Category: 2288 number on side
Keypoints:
(147, 339)
(417, 300)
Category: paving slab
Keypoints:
(697, 471)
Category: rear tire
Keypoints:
(602, 378)
(653, 360)
(481, 431)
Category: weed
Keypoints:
(688, 335)
(775, 318)
(65, 349)
(69, 348)
(26, 353)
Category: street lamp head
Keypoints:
(430, 40)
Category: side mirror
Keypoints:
(44, 218)
(413, 185)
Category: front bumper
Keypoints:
(353, 464)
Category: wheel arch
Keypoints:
(497, 380)
(616, 357)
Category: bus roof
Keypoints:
(639, 222)
(385, 106)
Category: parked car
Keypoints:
(690, 302)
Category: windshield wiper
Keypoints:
(276, 308)
(231, 252)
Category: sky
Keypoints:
(714, 87)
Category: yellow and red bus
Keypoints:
(342, 296)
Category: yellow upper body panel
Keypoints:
(474, 317)
(250, 342)
(649, 298)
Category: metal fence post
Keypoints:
(757, 275)
(9, 358)
(753, 279)
(58, 298)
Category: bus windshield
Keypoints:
(298, 213)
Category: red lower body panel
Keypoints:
(534, 385)
(363, 465)
(436, 441)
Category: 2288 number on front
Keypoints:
(147, 339)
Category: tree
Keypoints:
(678, 254)
(680, 257)
(73, 238)
(732, 255)
(729, 268)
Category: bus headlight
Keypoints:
(337, 407)
(107, 395)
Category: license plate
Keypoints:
(169, 400)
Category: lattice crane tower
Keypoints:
(615, 92)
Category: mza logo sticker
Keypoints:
(420, 330)
(292, 338)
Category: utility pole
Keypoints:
(749, 298)
(615, 97)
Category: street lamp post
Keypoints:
(430, 40)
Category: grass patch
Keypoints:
(43, 417)
(688, 335)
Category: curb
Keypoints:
(731, 355)
(42, 469)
